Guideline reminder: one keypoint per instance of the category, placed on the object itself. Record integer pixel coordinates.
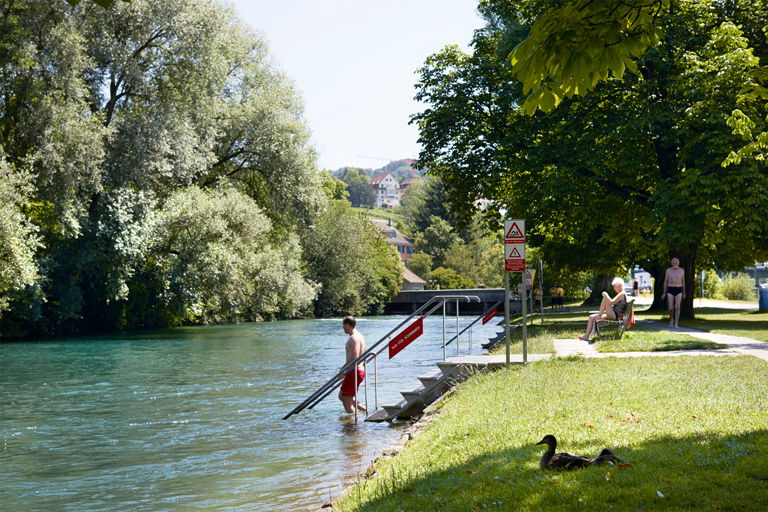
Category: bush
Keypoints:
(448, 279)
(738, 287)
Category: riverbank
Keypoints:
(691, 429)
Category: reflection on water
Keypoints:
(190, 418)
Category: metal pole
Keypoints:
(457, 327)
(506, 313)
(443, 330)
(354, 397)
(365, 383)
(376, 382)
(541, 290)
(525, 322)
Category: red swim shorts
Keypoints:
(348, 386)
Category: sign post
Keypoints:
(514, 261)
(541, 291)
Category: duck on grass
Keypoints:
(565, 461)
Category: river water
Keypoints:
(190, 418)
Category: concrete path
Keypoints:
(738, 344)
(577, 347)
(645, 300)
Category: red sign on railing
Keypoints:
(487, 318)
(405, 338)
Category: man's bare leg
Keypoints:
(678, 303)
(348, 402)
(671, 308)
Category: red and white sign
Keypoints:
(514, 245)
(405, 337)
(489, 316)
(514, 231)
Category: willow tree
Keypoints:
(629, 173)
(115, 113)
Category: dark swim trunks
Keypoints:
(674, 290)
(348, 386)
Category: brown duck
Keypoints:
(552, 460)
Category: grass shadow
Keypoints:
(695, 472)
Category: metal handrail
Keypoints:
(469, 326)
(326, 389)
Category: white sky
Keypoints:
(354, 63)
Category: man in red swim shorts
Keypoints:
(355, 346)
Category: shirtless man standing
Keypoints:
(355, 346)
(674, 290)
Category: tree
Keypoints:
(356, 269)
(18, 237)
(436, 239)
(572, 47)
(359, 188)
(116, 113)
(627, 174)
(421, 264)
(448, 279)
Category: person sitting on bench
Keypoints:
(610, 308)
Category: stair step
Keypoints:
(413, 393)
(394, 408)
(378, 416)
(431, 377)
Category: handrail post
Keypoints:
(376, 381)
(457, 327)
(365, 383)
(443, 330)
(354, 397)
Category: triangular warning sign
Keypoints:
(514, 232)
(514, 253)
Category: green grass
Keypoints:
(540, 339)
(645, 339)
(736, 322)
(381, 213)
(693, 431)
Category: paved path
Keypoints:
(738, 344)
(645, 300)
(577, 347)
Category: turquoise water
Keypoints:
(190, 418)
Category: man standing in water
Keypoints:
(674, 290)
(355, 346)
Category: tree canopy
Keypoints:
(156, 170)
(629, 173)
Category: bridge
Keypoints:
(408, 301)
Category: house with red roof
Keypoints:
(386, 190)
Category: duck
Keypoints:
(552, 460)
(607, 457)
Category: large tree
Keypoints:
(116, 112)
(629, 173)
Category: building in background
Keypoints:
(412, 282)
(402, 243)
(386, 189)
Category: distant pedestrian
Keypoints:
(674, 291)
(635, 287)
(355, 346)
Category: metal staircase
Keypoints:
(432, 385)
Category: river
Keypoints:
(190, 418)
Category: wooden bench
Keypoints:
(614, 329)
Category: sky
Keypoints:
(354, 64)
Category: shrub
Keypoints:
(738, 287)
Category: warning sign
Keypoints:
(405, 338)
(515, 251)
(489, 316)
(514, 245)
(514, 231)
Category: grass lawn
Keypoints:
(693, 432)
(736, 322)
(645, 339)
(540, 338)
(381, 213)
